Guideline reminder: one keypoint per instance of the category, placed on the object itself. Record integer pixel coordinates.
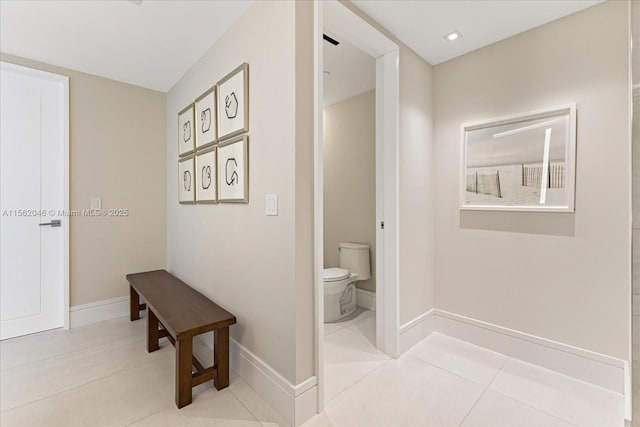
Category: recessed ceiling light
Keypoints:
(453, 36)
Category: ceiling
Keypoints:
(154, 43)
(150, 43)
(422, 25)
(351, 71)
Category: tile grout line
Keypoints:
(520, 402)
(73, 388)
(483, 393)
(352, 385)
(448, 371)
(61, 354)
(534, 408)
(242, 403)
(74, 352)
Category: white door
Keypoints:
(34, 147)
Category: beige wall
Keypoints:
(117, 153)
(349, 144)
(258, 267)
(560, 276)
(415, 180)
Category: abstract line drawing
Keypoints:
(231, 172)
(205, 118)
(206, 177)
(187, 180)
(186, 131)
(231, 105)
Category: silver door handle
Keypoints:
(53, 223)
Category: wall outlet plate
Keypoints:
(96, 203)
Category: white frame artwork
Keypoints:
(233, 103)
(233, 171)
(186, 131)
(207, 179)
(524, 162)
(186, 180)
(206, 119)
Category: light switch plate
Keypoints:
(96, 203)
(271, 204)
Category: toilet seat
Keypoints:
(335, 274)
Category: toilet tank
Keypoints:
(355, 258)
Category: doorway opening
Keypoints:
(355, 195)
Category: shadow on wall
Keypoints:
(547, 223)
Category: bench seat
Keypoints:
(179, 312)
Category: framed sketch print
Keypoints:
(186, 180)
(205, 119)
(186, 129)
(206, 182)
(233, 170)
(233, 103)
(524, 162)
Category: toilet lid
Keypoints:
(335, 274)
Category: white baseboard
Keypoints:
(366, 299)
(295, 403)
(80, 315)
(585, 365)
(411, 333)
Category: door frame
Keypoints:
(64, 81)
(363, 35)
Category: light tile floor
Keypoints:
(447, 382)
(101, 375)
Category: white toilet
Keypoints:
(339, 283)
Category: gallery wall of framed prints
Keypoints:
(213, 143)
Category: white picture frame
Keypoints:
(207, 176)
(523, 162)
(233, 103)
(187, 180)
(206, 119)
(186, 131)
(233, 170)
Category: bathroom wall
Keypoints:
(258, 267)
(116, 149)
(415, 179)
(561, 276)
(350, 178)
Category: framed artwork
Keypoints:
(186, 130)
(233, 170)
(186, 180)
(524, 162)
(233, 103)
(206, 119)
(207, 185)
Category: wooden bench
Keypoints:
(178, 312)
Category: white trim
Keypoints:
(585, 365)
(296, 403)
(414, 331)
(318, 201)
(366, 299)
(98, 311)
(65, 184)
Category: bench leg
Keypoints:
(221, 357)
(134, 304)
(184, 354)
(152, 332)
